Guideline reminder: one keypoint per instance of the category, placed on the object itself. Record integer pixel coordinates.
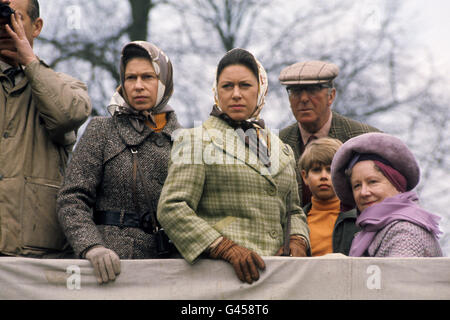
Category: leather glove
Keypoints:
(297, 247)
(106, 263)
(244, 261)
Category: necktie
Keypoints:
(311, 138)
(11, 74)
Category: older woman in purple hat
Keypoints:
(377, 173)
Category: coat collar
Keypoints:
(218, 132)
(23, 83)
(336, 129)
(343, 215)
(131, 137)
(294, 137)
(124, 135)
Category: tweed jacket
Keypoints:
(342, 128)
(99, 178)
(215, 188)
(39, 119)
(404, 239)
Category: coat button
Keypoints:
(272, 191)
(273, 234)
(6, 135)
(286, 150)
(159, 141)
(218, 140)
(1, 177)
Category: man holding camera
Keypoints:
(40, 112)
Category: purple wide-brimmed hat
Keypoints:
(388, 147)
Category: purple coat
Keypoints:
(404, 239)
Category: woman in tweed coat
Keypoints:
(231, 183)
(106, 203)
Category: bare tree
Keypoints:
(95, 47)
(284, 32)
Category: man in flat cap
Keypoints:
(311, 93)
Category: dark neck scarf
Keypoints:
(401, 207)
(249, 131)
(119, 107)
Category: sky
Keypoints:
(430, 26)
(431, 20)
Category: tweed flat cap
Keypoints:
(309, 72)
(384, 145)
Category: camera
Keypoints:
(164, 246)
(5, 12)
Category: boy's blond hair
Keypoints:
(320, 151)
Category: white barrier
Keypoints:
(328, 277)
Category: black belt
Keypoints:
(115, 218)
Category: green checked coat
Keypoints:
(342, 128)
(213, 188)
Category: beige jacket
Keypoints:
(39, 117)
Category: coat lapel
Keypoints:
(129, 135)
(336, 129)
(228, 142)
(126, 135)
(294, 139)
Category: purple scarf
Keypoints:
(399, 207)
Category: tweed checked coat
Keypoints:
(214, 188)
(404, 239)
(342, 128)
(99, 177)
